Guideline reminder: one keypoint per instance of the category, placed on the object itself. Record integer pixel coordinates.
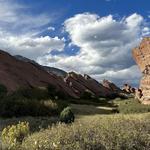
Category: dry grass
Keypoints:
(90, 109)
(106, 132)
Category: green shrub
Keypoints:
(15, 134)
(52, 91)
(14, 106)
(55, 93)
(3, 90)
(86, 95)
(67, 115)
(32, 93)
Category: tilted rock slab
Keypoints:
(79, 84)
(141, 55)
(15, 73)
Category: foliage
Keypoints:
(131, 106)
(12, 106)
(3, 90)
(32, 93)
(119, 132)
(55, 93)
(86, 95)
(14, 135)
(52, 90)
(67, 115)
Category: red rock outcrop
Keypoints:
(111, 86)
(15, 73)
(80, 84)
(128, 89)
(141, 55)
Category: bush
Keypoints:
(67, 115)
(3, 90)
(86, 95)
(14, 106)
(54, 93)
(32, 93)
(15, 134)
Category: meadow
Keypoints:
(95, 128)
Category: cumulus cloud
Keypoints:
(19, 31)
(31, 47)
(105, 46)
(104, 43)
(51, 28)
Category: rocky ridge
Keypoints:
(19, 72)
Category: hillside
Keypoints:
(19, 72)
(53, 70)
(15, 74)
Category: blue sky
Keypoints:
(93, 36)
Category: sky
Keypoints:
(94, 37)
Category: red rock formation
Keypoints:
(128, 89)
(111, 86)
(15, 73)
(80, 84)
(141, 55)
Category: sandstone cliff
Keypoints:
(141, 55)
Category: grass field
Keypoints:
(97, 132)
(95, 128)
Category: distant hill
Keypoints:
(18, 71)
(53, 70)
(81, 84)
(15, 73)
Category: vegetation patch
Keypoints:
(131, 106)
(3, 91)
(98, 132)
(67, 115)
(13, 135)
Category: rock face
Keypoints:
(79, 84)
(111, 86)
(128, 89)
(141, 55)
(15, 74)
(53, 70)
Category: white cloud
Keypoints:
(146, 31)
(19, 31)
(51, 28)
(31, 47)
(105, 45)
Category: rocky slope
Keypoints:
(53, 70)
(141, 55)
(80, 84)
(111, 86)
(15, 74)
